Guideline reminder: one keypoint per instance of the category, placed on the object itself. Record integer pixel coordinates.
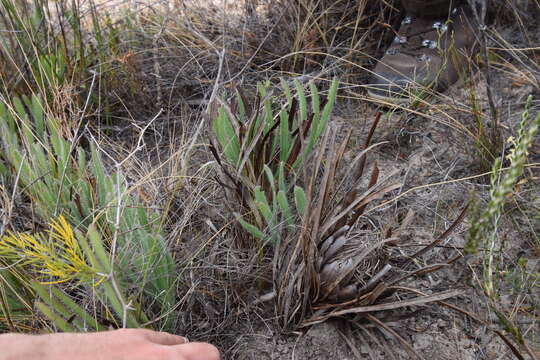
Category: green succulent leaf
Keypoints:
(263, 206)
(252, 229)
(300, 200)
(284, 205)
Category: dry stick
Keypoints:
(405, 344)
(346, 175)
(369, 196)
(221, 55)
(421, 300)
(363, 341)
(400, 304)
(420, 187)
(140, 140)
(363, 160)
(78, 135)
(4, 307)
(445, 234)
(10, 206)
(348, 340)
(379, 343)
(250, 60)
(5, 221)
(125, 307)
(481, 19)
(157, 66)
(118, 165)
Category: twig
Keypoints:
(119, 197)
(213, 96)
(481, 19)
(402, 341)
(78, 135)
(5, 219)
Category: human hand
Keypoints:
(123, 344)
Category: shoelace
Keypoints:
(411, 43)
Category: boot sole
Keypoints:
(395, 100)
(422, 93)
(388, 100)
(427, 93)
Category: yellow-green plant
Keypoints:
(54, 256)
(61, 256)
(62, 178)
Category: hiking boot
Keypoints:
(427, 53)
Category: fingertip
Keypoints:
(165, 338)
(198, 351)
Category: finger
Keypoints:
(164, 338)
(197, 351)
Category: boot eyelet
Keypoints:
(423, 58)
(407, 20)
(392, 51)
(440, 26)
(429, 44)
(400, 39)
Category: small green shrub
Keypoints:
(61, 178)
(265, 147)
